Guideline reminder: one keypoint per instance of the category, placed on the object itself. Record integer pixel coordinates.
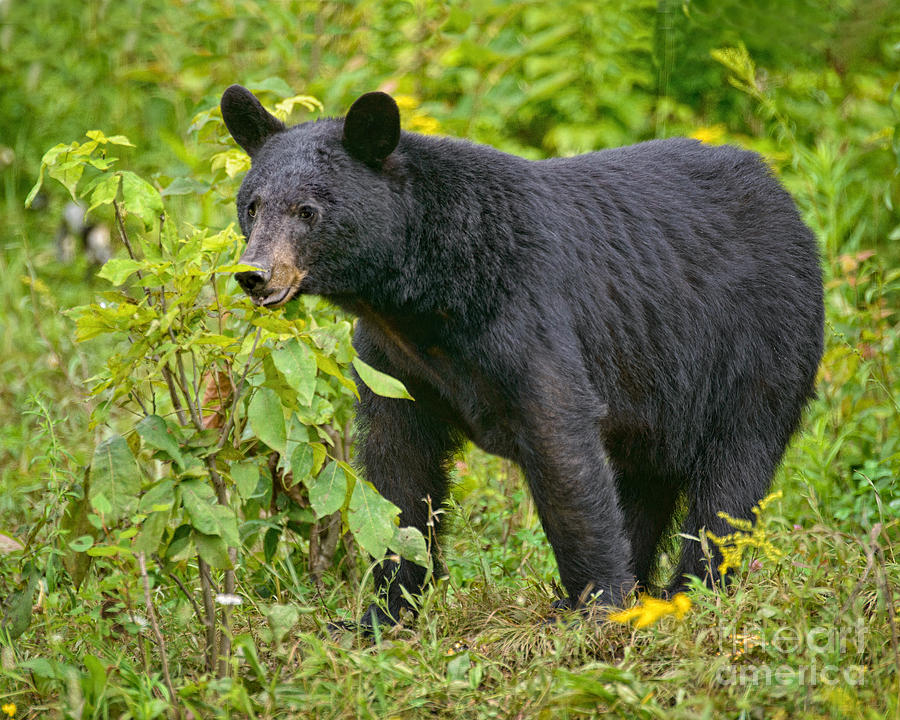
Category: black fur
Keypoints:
(637, 328)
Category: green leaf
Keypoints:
(141, 198)
(101, 138)
(108, 550)
(96, 678)
(371, 518)
(270, 543)
(213, 550)
(226, 521)
(282, 619)
(19, 605)
(328, 365)
(179, 544)
(409, 543)
(328, 491)
(156, 433)
(117, 270)
(115, 477)
(267, 419)
(105, 191)
(76, 524)
(302, 463)
(246, 478)
(380, 383)
(159, 498)
(148, 539)
(298, 365)
(35, 188)
(81, 544)
(199, 500)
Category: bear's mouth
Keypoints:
(277, 298)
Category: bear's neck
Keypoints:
(468, 234)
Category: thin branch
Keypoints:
(161, 643)
(206, 584)
(173, 394)
(181, 585)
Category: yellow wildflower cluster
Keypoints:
(710, 135)
(746, 535)
(9, 709)
(649, 610)
(413, 118)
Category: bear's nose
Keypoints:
(253, 281)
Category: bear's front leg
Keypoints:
(574, 489)
(404, 452)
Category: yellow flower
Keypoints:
(712, 134)
(649, 610)
(413, 118)
(9, 709)
(746, 535)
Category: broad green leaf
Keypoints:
(81, 544)
(270, 543)
(267, 419)
(108, 550)
(118, 270)
(298, 365)
(198, 500)
(302, 463)
(246, 478)
(282, 619)
(378, 382)
(328, 491)
(76, 524)
(154, 431)
(112, 139)
(283, 109)
(105, 191)
(409, 543)
(150, 535)
(18, 608)
(68, 172)
(180, 544)
(371, 518)
(226, 522)
(329, 366)
(159, 498)
(213, 550)
(115, 477)
(319, 455)
(141, 198)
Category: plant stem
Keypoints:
(151, 613)
(206, 584)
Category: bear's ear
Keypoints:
(249, 123)
(372, 127)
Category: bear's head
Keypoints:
(320, 207)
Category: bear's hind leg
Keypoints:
(725, 481)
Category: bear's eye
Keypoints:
(251, 209)
(305, 212)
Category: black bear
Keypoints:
(639, 328)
